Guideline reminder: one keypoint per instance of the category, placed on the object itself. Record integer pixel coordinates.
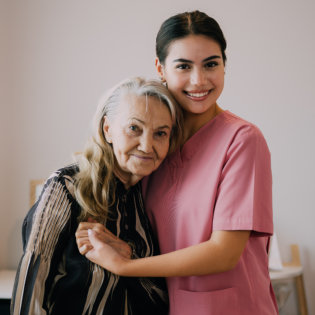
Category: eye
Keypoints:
(183, 66)
(211, 64)
(133, 129)
(161, 134)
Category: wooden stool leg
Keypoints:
(301, 295)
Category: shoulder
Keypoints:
(63, 177)
(53, 210)
(60, 184)
(243, 132)
(236, 123)
(66, 173)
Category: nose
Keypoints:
(145, 143)
(198, 77)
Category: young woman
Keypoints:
(210, 202)
(135, 127)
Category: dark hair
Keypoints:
(184, 24)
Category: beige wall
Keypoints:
(57, 58)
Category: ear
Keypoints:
(159, 69)
(107, 130)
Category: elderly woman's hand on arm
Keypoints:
(104, 236)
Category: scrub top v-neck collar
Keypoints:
(190, 147)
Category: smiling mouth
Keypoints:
(143, 157)
(197, 95)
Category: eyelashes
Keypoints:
(184, 66)
(211, 64)
(136, 130)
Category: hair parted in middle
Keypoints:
(94, 183)
(184, 24)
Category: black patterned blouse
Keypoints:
(54, 278)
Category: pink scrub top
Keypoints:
(220, 180)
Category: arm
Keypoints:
(220, 253)
(144, 293)
(44, 225)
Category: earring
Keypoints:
(163, 81)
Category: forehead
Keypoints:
(194, 46)
(142, 107)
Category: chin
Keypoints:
(141, 173)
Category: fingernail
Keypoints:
(90, 232)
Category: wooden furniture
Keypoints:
(36, 186)
(7, 278)
(293, 270)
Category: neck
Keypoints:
(193, 122)
(127, 179)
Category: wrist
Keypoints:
(122, 267)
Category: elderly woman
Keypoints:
(137, 125)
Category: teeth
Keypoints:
(198, 94)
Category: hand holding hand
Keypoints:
(106, 253)
(104, 235)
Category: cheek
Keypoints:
(163, 150)
(175, 80)
(219, 79)
(176, 90)
(118, 154)
(121, 148)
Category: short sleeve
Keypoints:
(244, 198)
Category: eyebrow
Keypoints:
(204, 60)
(141, 121)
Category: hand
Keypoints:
(104, 235)
(105, 254)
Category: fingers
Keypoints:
(85, 249)
(109, 233)
(94, 238)
(90, 225)
(82, 238)
(82, 241)
(93, 225)
(81, 234)
(91, 233)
